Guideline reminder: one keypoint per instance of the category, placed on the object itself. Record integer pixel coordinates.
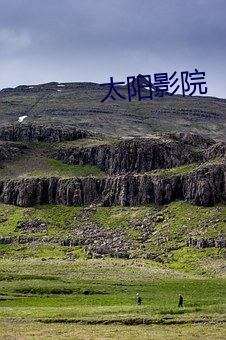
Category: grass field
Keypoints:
(46, 293)
(96, 299)
(31, 330)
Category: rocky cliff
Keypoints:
(215, 151)
(38, 132)
(131, 155)
(133, 167)
(11, 150)
(205, 186)
(191, 139)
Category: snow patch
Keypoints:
(21, 118)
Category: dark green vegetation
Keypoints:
(80, 104)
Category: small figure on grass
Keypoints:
(139, 299)
(180, 301)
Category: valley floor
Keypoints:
(96, 299)
(31, 330)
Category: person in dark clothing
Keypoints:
(180, 301)
(139, 299)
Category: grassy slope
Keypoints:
(81, 104)
(181, 219)
(64, 290)
(36, 163)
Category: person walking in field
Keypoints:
(180, 301)
(139, 299)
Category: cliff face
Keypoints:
(125, 163)
(11, 151)
(131, 155)
(35, 133)
(216, 150)
(191, 139)
(204, 187)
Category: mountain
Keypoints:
(122, 179)
(80, 104)
(85, 194)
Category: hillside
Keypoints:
(84, 194)
(89, 218)
(80, 104)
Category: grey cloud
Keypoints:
(93, 40)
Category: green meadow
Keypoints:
(50, 291)
(45, 297)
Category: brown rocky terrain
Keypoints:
(11, 150)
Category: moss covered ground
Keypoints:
(168, 240)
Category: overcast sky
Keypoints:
(91, 40)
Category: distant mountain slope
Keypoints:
(80, 104)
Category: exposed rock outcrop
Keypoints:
(125, 162)
(37, 132)
(131, 155)
(191, 139)
(10, 150)
(205, 186)
(215, 151)
(218, 242)
(32, 225)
